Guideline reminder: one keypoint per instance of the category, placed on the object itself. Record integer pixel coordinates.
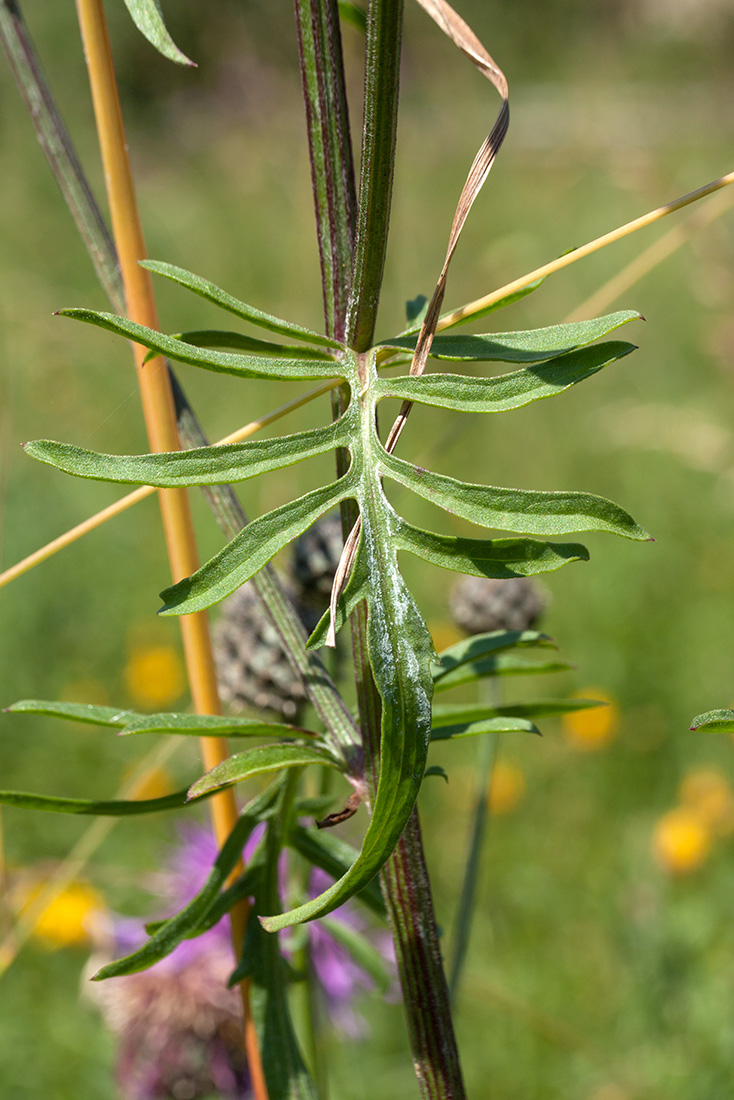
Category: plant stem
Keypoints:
(160, 420)
(379, 136)
(60, 153)
(330, 150)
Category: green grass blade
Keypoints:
(221, 298)
(506, 391)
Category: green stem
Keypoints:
(56, 143)
(379, 135)
(330, 149)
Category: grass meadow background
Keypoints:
(599, 970)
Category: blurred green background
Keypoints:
(596, 971)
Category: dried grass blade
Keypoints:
(462, 35)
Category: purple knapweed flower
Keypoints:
(178, 1025)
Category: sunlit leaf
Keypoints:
(222, 362)
(25, 800)
(238, 341)
(531, 346)
(257, 761)
(221, 298)
(496, 558)
(217, 465)
(521, 510)
(146, 15)
(714, 721)
(503, 724)
(502, 664)
(251, 549)
(505, 391)
(473, 649)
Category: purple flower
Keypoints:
(178, 1025)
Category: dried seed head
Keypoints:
(479, 605)
(252, 668)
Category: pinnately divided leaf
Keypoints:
(401, 652)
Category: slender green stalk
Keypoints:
(381, 91)
(330, 148)
(60, 153)
(486, 756)
(404, 880)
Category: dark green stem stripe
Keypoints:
(379, 135)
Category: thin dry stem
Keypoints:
(467, 311)
(160, 421)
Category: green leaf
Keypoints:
(222, 362)
(352, 13)
(210, 725)
(540, 708)
(506, 724)
(129, 721)
(257, 761)
(436, 770)
(328, 851)
(532, 346)
(146, 15)
(74, 712)
(168, 937)
(501, 303)
(24, 800)
(497, 558)
(714, 721)
(502, 664)
(221, 298)
(400, 653)
(251, 549)
(505, 391)
(217, 338)
(473, 649)
(521, 510)
(217, 465)
(267, 973)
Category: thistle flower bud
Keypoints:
(479, 605)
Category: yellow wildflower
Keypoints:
(507, 787)
(593, 729)
(65, 920)
(707, 793)
(155, 676)
(681, 841)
